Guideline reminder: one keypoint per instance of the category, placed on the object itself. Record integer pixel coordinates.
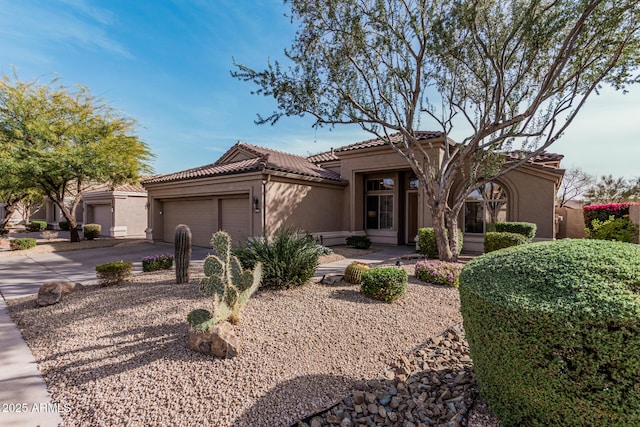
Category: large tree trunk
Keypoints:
(70, 215)
(8, 213)
(440, 232)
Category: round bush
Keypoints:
(438, 272)
(527, 229)
(92, 231)
(494, 240)
(554, 332)
(386, 284)
(427, 244)
(22, 243)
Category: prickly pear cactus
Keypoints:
(228, 284)
(353, 272)
(182, 244)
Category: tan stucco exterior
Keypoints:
(121, 213)
(335, 207)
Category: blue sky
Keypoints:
(167, 64)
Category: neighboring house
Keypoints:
(364, 188)
(120, 210)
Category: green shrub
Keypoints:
(22, 243)
(494, 240)
(438, 272)
(324, 250)
(527, 229)
(64, 225)
(36, 226)
(157, 262)
(605, 211)
(289, 258)
(554, 334)
(386, 284)
(359, 242)
(427, 242)
(114, 272)
(620, 229)
(91, 231)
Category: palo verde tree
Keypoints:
(63, 140)
(512, 74)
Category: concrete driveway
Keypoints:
(23, 275)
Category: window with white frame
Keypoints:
(485, 206)
(379, 204)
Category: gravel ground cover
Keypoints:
(117, 355)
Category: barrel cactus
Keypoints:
(228, 284)
(353, 272)
(182, 244)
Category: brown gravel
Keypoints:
(117, 355)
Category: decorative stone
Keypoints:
(218, 341)
(332, 279)
(52, 292)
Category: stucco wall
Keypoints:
(572, 223)
(130, 216)
(314, 207)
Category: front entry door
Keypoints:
(412, 216)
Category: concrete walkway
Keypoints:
(24, 398)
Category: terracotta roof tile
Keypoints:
(395, 137)
(266, 159)
(130, 188)
(328, 156)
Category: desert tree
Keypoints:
(575, 183)
(63, 139)
(608, 189)
(512, 75)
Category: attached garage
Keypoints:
(199, 215)
(102, 215)
(235, 218)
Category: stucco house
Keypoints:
(363, 188)
(120, 210)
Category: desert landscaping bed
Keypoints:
(117, 355)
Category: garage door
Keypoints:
(197, 214)
(235, 215)
(102, 216)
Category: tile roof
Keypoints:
(265, 159)
(395, 137)
(130, 188)
(543, 157)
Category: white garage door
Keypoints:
(102, 216)
(235, 216)
(197, 214)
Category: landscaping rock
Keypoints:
(219, 341)
(332, 279)
(51, 292)
(433, 385)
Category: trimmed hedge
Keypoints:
(22, 243)
(92, 231)
(36, 226)
(359, 242)
(112, 273)
(386, 284)
(427, 242)
(64, 225)
(554, 332)
(527, 229)
(494, 240)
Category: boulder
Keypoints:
(332, 279)
(52, 292)
(218, 341)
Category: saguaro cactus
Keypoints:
(182, 253)
(228, 284)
